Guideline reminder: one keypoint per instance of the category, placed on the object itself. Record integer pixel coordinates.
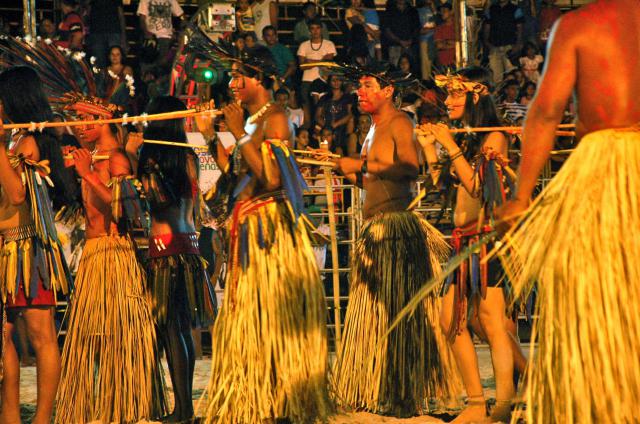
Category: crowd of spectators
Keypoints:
(509, 37)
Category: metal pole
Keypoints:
(29, 17)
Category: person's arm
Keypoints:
(276, 127)
(118, 165)
(291, 64)
(547, 107)
(427, 142)
(10, 178)
(143, 12)
(273, 13)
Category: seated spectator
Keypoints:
(302, 30)
(502, 36)
(71, 23)
(302, 139)
(528, 91)
(244, 17)
(372, 24)
(282, 56)
(445, 37)
(510, 109)
(47, 29)
(265, 13)
(296, 116)
(334, 111)
(238, 43)
(250, 40)
(358, 42)
(114, 79)
(400, 29)
(530, 62)
(356, 22)
(405, 64)
(357, 138)
(108, 28)
(314, 50)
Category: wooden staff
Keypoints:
(334, 252)
(130, 119)
(315, 152)
(172, 143)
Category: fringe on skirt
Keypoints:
(187, 273)
(269, 356)
(110, 368)
(395, 255)
(579, 242)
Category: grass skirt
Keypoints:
(395, 255)
(269, 357)
(110, 369)
(579, 241)
(181, 277)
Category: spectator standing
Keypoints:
(445, 37)
(282, 56)
(265, 13)
(107, 28)
(71, 27)
(427, 15)
(155, 21)
(355, 20)
(530, 62)
(372, 23)
(502, 36)
(400, 29)
(314, 50)
(334, 111)
(302, 30)
(244, 16)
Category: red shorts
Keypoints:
(44, 297)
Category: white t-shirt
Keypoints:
(315, 52)
(261, 16)
(158, 16)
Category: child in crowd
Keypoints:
(530, 62)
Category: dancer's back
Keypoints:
(596, 52)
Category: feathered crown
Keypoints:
(222, 55)
(68, 79)
(460, 84)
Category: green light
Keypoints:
(207, 75)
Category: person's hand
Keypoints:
(425, 136)
(134, 141)
(442, 134)
(82, 161)
(204, 122)
(509, 213)
(234, 117)
(67, 156)
(347, 165)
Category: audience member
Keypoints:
(502, 36)
(357, 138)
(427, 15)
(334, 111)
(71, 28)
(401, 27)
(107, 28)
(445, 37)
(530, 62)
(156, 24)
(282, 56)
(265, 13)
(244, 16)
(302, 30)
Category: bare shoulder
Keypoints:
(119, 163)
(276, 124)
(401, 127)
(28, 147)
(497, 141)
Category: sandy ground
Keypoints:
(201, 377)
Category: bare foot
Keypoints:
(475, 412)
(501, 411)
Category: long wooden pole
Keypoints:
(334, 254)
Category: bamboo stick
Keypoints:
(334, 255)
(316, 152)
(561, 152)
(94, 157)
(511, 130)
(129, 119)
(173, 143)
(316, 162)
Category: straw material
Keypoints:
(110, 369)
(394, 256)
(269, 356)
(579, 241)
(189, 270)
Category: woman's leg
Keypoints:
(11, 375)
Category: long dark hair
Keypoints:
(24, 100)
(172, 162)
(480, 114)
